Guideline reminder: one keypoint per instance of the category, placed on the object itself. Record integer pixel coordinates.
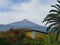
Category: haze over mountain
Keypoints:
(22, 24)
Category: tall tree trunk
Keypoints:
(57, 35)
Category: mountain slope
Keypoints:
(23, 24)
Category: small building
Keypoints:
(34, 33)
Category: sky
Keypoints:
(17, 10)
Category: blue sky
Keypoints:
(17, 10)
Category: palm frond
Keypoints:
(58, 5)
(55, 7)
(53, 29)
(53, 19)
(50, 22)
(53, 11)
(57, 29)
(49, 16)
(58, 1)
(50, 26)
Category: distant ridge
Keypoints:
(23, 24)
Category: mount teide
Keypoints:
(23, 24)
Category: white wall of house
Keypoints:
(33, 34)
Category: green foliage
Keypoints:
(18, 37)
(53, 18)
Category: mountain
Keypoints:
(23, 24)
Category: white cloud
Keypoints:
(33, 10)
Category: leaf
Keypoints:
(53, 29)
(50, 22)
(58, 1)
(58, 5)
(55, 7)
(49, 16)
(53, 11)
(50, 26)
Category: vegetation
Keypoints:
(53, 19)
(19, 37)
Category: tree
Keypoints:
(53, 19)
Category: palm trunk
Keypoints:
(57, 35)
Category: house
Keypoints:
(33, 33)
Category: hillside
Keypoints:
(23, 24)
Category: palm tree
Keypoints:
(53, 19)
